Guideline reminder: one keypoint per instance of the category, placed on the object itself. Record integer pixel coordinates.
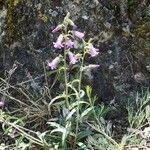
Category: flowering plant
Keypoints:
(73, 94)
(66, 41)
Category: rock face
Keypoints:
(121, 31)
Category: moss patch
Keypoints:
(143, 29)
(10, 18)
(143, 33)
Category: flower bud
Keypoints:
(54, 63)
(59, 27)
(58, 43)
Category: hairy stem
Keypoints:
(65, 70)
(79, 97)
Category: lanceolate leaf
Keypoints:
(71, 113)
(85, 112)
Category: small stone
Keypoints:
(85, 17)
(111, 67)
(54, 13)
(139, 77)
(109, 51)
(148, 67)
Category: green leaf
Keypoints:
(88, 90)
(76, 104)
(56, 98)
(54, 124)
(84, 134)
(62, 130)
(71, 113)
(66, 132)
(82, 93)
(85, 112)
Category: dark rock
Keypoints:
(121, 32)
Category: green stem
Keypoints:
(78, 98)
(65, 71)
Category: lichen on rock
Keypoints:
(123, 40)
(11, 27)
